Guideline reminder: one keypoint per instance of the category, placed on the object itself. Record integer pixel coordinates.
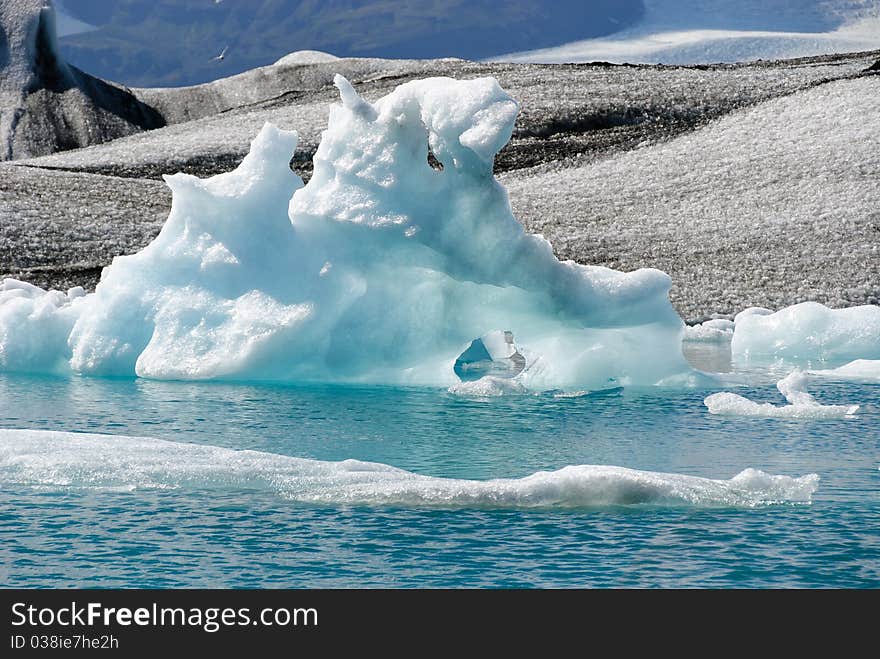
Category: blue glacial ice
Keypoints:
(382, 269)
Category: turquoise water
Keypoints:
(230, 536)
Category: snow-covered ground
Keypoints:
(706, 31)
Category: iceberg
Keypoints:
(808, 332)
(63, 460)
(381, 270)
(793, 388)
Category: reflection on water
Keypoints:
(708, 357)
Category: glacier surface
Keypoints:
(381, 269)
(50, 459)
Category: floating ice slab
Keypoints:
(809, 332)
(68, 460)
(793, 387)
(380, 270)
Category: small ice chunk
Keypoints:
(488, 387)
(793, 387)
(717, 330)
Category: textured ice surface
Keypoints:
(859, 370)
(793, 388)
(701, 31)
(67, 460)
(382, 269)
(809, 332)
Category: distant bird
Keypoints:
(221, 56)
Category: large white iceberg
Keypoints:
(381, 269)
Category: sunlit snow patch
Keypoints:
(67, 460)
(793, 387)
(381, 269)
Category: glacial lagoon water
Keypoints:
(231, 534)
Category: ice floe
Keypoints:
(801, 405)
(70, 460)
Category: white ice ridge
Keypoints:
(71, 460)
(381, 269)
(793, 387)
(808, 332)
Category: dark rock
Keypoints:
(48, 106)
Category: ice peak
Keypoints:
(351, 100)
